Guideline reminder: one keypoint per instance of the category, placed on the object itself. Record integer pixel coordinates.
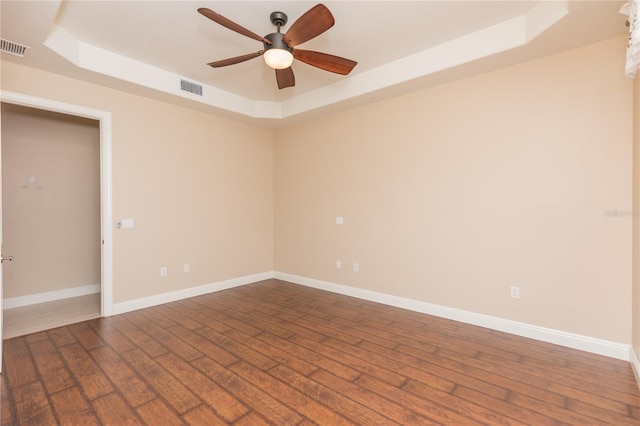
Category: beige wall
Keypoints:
(199, 187)
(453, 194)
(50, 225)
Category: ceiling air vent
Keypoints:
(190, 87)
(12, 48)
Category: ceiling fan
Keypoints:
(279, 49)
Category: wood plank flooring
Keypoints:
(278, 353)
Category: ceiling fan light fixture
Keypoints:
(278, 49)
(278, 59)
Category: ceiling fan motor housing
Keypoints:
(277, 42)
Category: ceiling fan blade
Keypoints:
(216, 17)
(285, 78)
(314, 22)
(325, 61)
(235, 60)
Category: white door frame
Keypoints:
(106, 214)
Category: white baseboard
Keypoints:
(49, 296)
(571, 340)
(172, 296)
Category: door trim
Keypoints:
(106, 210)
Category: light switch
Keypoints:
(339, 220)
(127, 223)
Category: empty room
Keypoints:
(295, 213)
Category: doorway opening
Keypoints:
(50, 219)
(97, 265)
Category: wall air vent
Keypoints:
(191, 87)
(12, 48)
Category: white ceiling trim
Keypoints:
(92, 58)
(507, 35)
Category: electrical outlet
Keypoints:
(163, 271)
(186, 267)
(515, 292)
(356, 267)
(339, 220)
(338, 264)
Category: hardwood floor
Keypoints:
(278, 353)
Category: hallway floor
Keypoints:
(44, 316)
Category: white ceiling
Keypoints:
(146, 47)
